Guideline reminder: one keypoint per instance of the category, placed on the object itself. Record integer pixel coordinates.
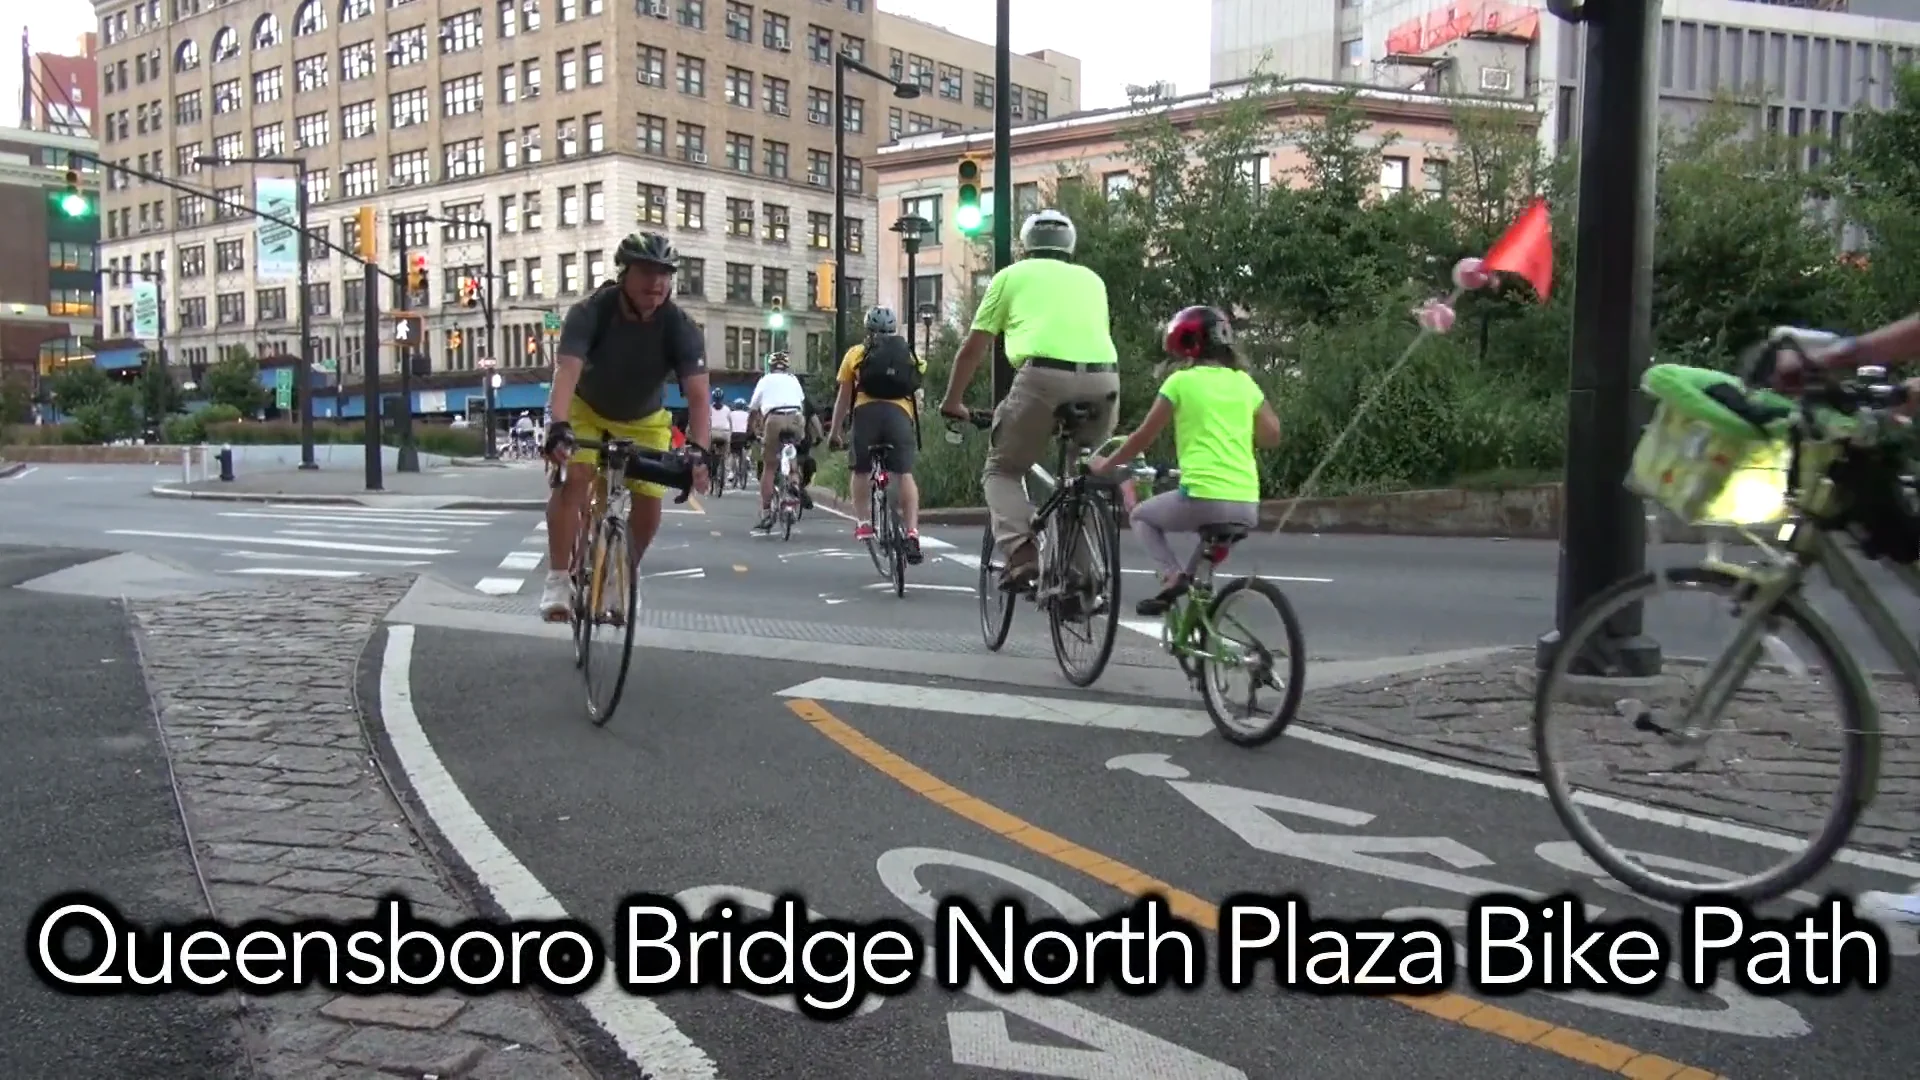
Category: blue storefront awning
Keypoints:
(118, 359)
(454, 400)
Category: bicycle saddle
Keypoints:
(1223, 534)
(1076, 412)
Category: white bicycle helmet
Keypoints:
(1049, 230)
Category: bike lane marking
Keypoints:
(1449, 1006)
(645, 1033)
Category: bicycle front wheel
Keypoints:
(1272, 661)
(1644, 738)
(996, 603)
(1083, 580)
(877, 548)
(611, 617)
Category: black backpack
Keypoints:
(887, 368)
(605, 304)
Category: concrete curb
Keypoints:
(372, 499)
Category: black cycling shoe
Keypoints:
(806, 500)
(912, 546)
(766, 522)
(1159, 603)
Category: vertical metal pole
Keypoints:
(160, 337)
(407, 459)
(492, 346)
(370, 374)
(1603, 525)
(910, 306)
(305, 383)
(839, 209)
(1002, 174)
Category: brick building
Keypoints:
(48, 285)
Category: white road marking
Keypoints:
(28, 471)
(693, 572)
(523, 560)
(1225, 577)
(384, 520)
(420, 538)
(913, 586)
(319, 544)
(294, 571)
(1150, 719)
(1150, 627)
(933, 543)
(481, 516)
(971, 562)
(642, 1031)
(499, 586)
(322, 558)
(542, 527)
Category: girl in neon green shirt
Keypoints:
(1218, 415)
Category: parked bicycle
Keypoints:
(1078, 533)
(1830, 466)
(606, 572)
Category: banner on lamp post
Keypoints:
(277, 257)
(146, 311)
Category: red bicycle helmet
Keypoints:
(1198, 332)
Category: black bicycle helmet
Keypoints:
(647, 249)
(881, 321)
(1198, 333)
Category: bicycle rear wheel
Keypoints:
(577, 614)
(996, 603)
(1224, 653)
(897, 543)
(1081, 575)
(877, 549)
(1754, 721)
(608, 656)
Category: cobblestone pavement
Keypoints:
(1777, 768)
(290, 819)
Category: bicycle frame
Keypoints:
(607, 496)
(1807, 548)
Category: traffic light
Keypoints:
(823, 295)
(967, 215)
(453, 339)
(417, 277)
(533, 344)
(777, 314)
(73, 203)
(366, 242)
(469, 292)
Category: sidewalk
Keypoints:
(519, 486)
(1777, 769)
(291, 818)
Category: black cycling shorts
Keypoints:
(882, 422)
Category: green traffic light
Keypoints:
(967, 218)
(776, 321)
(73, 204)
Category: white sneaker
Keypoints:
(555, 598)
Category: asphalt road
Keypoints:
(89, 805)
(869, 800)
(229, 543)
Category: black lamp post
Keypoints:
(903, 91)
(911, 228)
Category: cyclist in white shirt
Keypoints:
(722, 430)
(779, 403)
(741, 435)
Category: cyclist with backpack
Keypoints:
(878, 380)
(618, 347)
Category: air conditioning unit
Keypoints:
(816, 116)
(657, 8)
(698, 157)
(779, 217)
(530, 93)
(816, 180)
(779, 110)
(651, 78)
(782, 45)
(1497, 80)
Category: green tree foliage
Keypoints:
(235, 381)
(1875, 181)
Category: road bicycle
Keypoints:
(786, 485)
(1210, 643)
(605, 581)
(1077, 532)
(888, 545)
(1829, 470)
(717, 475)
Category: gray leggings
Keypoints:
(1175, 511)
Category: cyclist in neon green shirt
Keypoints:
(1053, 315)
(1219, 415)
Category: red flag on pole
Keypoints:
(1526, 249)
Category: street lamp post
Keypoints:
(903, 91)
(911, 228)
(305, 383)
(926, 325)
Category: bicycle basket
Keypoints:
(1702, 461)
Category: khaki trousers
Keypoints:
(1022, 431)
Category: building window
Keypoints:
(693, 210)
(407, 48)
(356, 62)
(690, 142)
(460, 32)
(928, 207)
(650, 64)
(778, 33)
(856, 236)
(1353, 52)
(310, 73)
(739, 152)
(692, 14)
(408, 169)
(465, 158)
(407, 108)
(693, 278)
(740, 280)
(740, 218)
(820, 44)
(739, 21)
(652, 203)
(691, 73)
(773, 227)
(459, 97)
(1393, 174)
(739, 87)
(268, 85)
(776, 159)
(650, 134)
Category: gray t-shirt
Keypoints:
(625, 375)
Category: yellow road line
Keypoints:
(1452, 1007)
(737, 568)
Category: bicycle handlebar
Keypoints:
(668, 468)
(1848, 393)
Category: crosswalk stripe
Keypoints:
(499, 586)
(220, 538)
(413, 538)
(323, 558)
(426, 511)
(1148, 719)
(358, 521)
(522, 560)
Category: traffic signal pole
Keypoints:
(1002, 175)
(370, 362)
(408, 459)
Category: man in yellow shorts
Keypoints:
(617, 349)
